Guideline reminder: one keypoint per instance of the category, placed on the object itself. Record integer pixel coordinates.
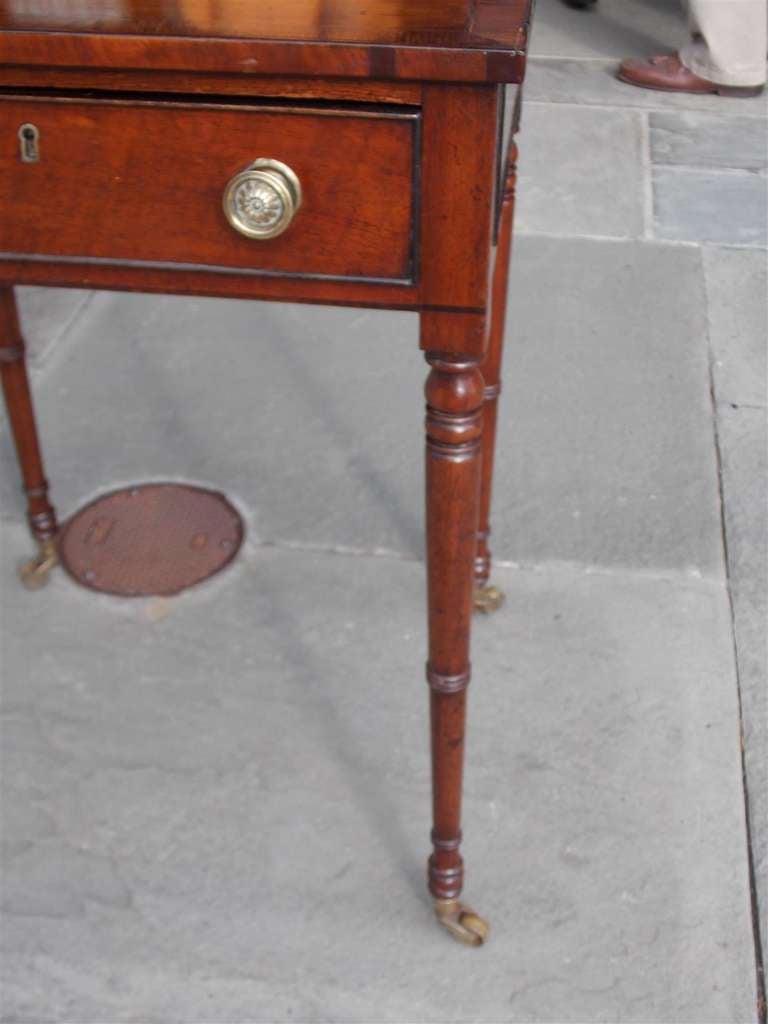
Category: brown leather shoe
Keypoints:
(669, 74)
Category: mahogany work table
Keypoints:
(320, 151)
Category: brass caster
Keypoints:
(487, 599)
(462, 922)
(35, 572)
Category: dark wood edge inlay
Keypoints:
(480, 64)
(206, 268)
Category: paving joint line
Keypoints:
(580, 60)
(690, 577)
(38, 368)
(725, 404)
(629, 108)
(85, 300)
(345, 550)
(726, 172)
(646, 167)
(674, 242)
(761, 1008)
(682, 243)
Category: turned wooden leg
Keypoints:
(454, 393)
(487, 598)
(18, 401)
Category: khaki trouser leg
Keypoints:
(729, 41)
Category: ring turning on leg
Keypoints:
(454, 394)
(18, 401)
(487, 598)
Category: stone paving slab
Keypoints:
(738, 323)
(709, 140)
(606, 450)
(613, 28)
(736, 281)
(711, 206)
(595, 83)
(580, 172)
(743, 434)
(606, 414)
(216, 808)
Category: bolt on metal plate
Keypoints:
(150, 539)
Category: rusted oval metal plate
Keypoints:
(150, 539)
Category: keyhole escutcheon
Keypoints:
(29, 143)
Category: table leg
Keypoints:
(18, 401)
(488, 598)
(454, 393)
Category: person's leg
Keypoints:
(730, 39)
(726, 55)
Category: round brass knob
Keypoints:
(261, 201)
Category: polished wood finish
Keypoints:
(392, 113)
(148, 178)
(491, 367)
(453, 40)
(182, 83)
(456, 188)
(454, 393)
(230, 285)
(18, 402)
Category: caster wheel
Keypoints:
(35, 572)
(487, 599)
(462, 922)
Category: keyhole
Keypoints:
(28, 143)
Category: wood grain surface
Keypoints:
(451, 40)
(143, 181)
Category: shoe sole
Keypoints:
(716, 90)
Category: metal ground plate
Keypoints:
(150, 539)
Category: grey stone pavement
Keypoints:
(215, 808)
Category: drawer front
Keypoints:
(132, 181)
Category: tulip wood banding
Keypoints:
(454, 40)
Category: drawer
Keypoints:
(133, 181)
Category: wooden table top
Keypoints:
(448, 40)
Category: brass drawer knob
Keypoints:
(261, 201)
